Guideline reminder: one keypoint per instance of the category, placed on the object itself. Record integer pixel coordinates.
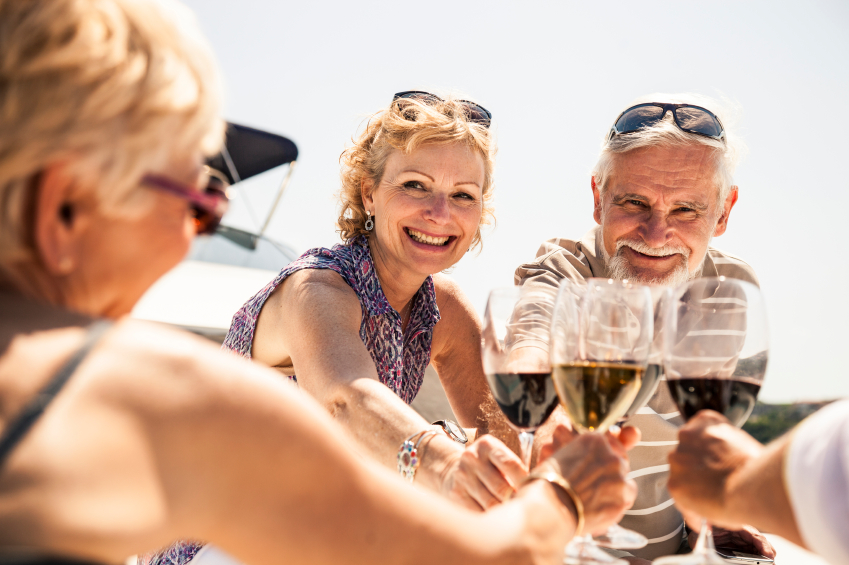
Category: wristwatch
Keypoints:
(453, 430)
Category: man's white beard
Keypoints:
(619, 269)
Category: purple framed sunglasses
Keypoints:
(208, 206)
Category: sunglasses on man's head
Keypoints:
(208, 206)
(475, 112)
(688, 118)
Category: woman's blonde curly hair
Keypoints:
(406, 125)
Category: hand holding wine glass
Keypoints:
(715, 353)
(601, 339)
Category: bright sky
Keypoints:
(555, 75)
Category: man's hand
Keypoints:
(709, 451)
(483, 475)
(747, 540)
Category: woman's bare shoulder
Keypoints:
(310, 286)
(451, 300)
(457, 316)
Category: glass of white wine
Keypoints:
(601, 338)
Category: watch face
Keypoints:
(456, 432)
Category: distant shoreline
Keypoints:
(770, 421)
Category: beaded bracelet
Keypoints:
(561, 482)
(408, 455)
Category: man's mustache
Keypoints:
(641, 247)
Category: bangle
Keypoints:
(559, 481)
(408, 455)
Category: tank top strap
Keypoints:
(21, 424)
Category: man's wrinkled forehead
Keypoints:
(683, 174)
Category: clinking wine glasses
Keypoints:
(715, 351)
(516, 359)
(601, 337)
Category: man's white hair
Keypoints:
(726, 153)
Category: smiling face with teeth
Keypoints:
(660, 210)
(426, 208)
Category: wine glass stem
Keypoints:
(705, 542)
(526, 445)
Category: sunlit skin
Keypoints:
(661, 196)
(310, 325)
(154, 230)
(436, 190)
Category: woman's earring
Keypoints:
(369, 222)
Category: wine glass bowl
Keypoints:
(599, 358)
(516, 359)
(716, 347)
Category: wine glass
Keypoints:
(601, 337)
(515, 354)
(617, 537)
(715, 351)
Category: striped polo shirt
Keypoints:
(654, 514)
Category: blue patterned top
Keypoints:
(400, 357)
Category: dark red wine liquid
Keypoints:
(732, 398)
(527, 399)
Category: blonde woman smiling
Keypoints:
(357, 324)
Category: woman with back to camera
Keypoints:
(118, 436)
(358, 324)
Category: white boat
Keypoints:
(222, 271)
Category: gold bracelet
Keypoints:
(558, 480)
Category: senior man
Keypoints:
(662, 189)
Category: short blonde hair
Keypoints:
(406, 125)
(112, 88)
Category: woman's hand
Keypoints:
(595, 466)
(484, 474)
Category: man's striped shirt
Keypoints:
(654, 514)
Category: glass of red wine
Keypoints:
(600, 347)
(715, 351)
(515, 354)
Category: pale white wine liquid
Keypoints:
(596, 395)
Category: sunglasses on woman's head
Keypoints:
(208, 206)
(688, 118)
(475, 112)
